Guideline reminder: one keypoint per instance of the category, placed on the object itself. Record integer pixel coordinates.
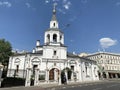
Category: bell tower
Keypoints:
(53, 36)
(54, 48)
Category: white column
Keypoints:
(93, 72)
(59, 79)
(51, 37)
(1, 70)
(58, 38)
(66, 74)
(59, 82)
(47, 76)
(45, 38)
(55, 75)
(116, 75)
(28, 76)
(80, 72)
(36, 81)
(77, 75)
(107, 75)
(72, 77)
(62, 40)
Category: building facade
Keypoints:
(108, 63)
(50, 63)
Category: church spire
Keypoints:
(54, 12)
(54, 8)
(54, 22)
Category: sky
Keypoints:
(88, 25)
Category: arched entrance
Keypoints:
(99, 75)
(104, 75)
(66, 75)
(53, 74)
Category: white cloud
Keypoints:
(64, 1)
(107, 42)
(71, 40)
(55, 0)
(66, 4)
(118, 3)
(28, 5)
(47, 1)
(73, 18)
(84, 1)
(5, 4)
(61, 10)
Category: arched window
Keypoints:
(48, 38)
(54, 38)
(54, 24)
(60, 37)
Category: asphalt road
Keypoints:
(110, 85)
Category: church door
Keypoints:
(52, 73)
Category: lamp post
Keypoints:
(1, 70)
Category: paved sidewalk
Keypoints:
(23, 88)
(44, 86)
(51, 86)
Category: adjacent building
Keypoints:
(51, 63)
(108, 63)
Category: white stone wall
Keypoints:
(24, 61)
(48, 52)
(13, 62)
(95, 72)
(80, 70)
(52, 24)
(90, 74)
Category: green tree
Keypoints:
(5, 51)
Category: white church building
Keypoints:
(49, 63)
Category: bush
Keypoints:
(4, 73)
(12, 81)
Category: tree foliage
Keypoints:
(5, 51)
